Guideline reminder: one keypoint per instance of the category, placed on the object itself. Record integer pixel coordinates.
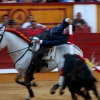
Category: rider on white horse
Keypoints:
(57, 36)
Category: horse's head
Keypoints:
(2, 43)
(36, 46)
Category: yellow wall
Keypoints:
(46, 14)
(98, 18)
(49, 14)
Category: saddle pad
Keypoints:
(50, 55)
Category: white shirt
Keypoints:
(1, 24)
(26, 24)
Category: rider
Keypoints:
(57, 36)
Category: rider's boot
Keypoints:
(40, 64)
(45, 64)
(29, 78)
(29, 74)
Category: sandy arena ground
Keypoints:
(9, 90)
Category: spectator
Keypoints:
(27, 1)
(5, 20)
(43, 1)
(31, 18)
(20, 1)
(33, 30)
(9, 1)
(79, 22)
(52, 0)
(64, 0)
(12, 24)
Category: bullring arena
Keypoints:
(9, 90)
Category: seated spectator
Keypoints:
(64, 0)
(20, 1)
(27, 1)
(5, 20)
(33, 29)
(9, 1)
(31, 18)
(79, 22)
(43, 1)
(12, 24)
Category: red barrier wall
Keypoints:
(88, 42)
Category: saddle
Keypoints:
(50, 55)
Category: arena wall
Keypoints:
(49, 76)
(52, 14)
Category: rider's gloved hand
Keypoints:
(68, 20)
(37, 41)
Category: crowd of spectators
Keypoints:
(28, 23)
(10, 23)
(33, 27)
(44, 1)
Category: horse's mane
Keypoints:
(19, 34)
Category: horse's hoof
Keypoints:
(34, 84)
(28, 98)
(61, 92)
(52, 91)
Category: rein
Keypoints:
(24, 54)
(13, 51)
(23, 37)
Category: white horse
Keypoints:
(23, 53)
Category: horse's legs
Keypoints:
(56, 86)
(19, 76)
(28, 85)
(61, 92)
(31, 94)
(17, 79)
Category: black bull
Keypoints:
(76, 76)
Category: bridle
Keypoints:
(29, 49)
(1, 35)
